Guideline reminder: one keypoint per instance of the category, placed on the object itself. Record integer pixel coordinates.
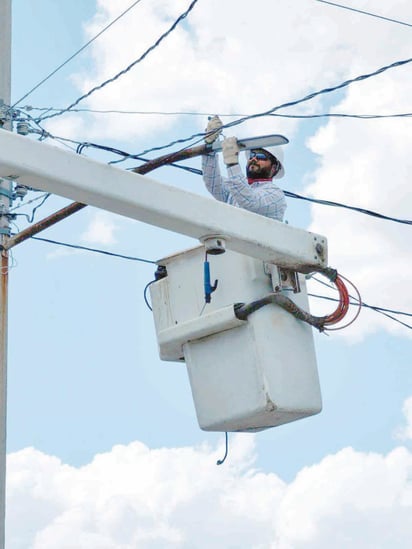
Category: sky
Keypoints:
(104, 449)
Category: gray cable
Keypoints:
(365, 13)
(128, 68)
(223, 115)
(76, 53)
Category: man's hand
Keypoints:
(230, 150)
(213, 129)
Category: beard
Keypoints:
(255, 171)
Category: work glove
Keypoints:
(213, 129)
(230, 150)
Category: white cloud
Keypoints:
(101, 229)
(57, 253)
(367, 164)
(353, 498)
(405, 432)
(133, 497)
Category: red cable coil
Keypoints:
(343, 305)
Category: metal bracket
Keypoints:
(282, 279)
(289, 280)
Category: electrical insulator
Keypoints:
(23, 128)
(20, 191)
(214, 245)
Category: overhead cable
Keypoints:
(353, 208)
(95, 250)
(312, 95)
(378, 309)
(30, 218)
(288, 104)
(81, 145)
(77, 52)
(365, 13)
(23, 204)
(125, 155)
(381, 310)
(223, 115)
(129, 67)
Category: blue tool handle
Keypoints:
(209, 289)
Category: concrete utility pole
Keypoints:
(5, 199)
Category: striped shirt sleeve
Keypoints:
(214, 182)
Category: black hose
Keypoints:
(242, 311)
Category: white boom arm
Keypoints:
(81, 179)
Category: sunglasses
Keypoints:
(258, 155)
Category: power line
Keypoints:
(312, 95)
(23, 204)
(380, 310)
(288, 104)
(127, 156)
(139, 259)
(95, 250)
(77, 52)
(287, 193)
(343, 115)
(30, 218)
(129, 67)
(365, 13)
(353, 208)
(222, 115)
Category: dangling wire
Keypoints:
(220, 461)
(161, 272)
(145, 294)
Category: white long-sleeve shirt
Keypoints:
(261, 197)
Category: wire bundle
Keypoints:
(343, 304)
(322, 323)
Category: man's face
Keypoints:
(259, 165)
